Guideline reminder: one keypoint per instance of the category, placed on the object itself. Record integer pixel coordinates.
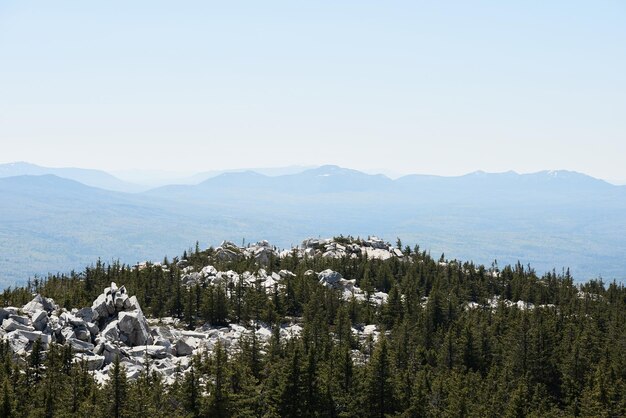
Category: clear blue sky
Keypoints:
(427, 87)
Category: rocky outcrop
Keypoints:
(228, 251)
(114, 326)
(39, 303)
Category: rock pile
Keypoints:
(262, 251)
(120, 316)
(348, 288)
(115, 326)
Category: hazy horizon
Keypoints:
(156, 175)
(404, 86)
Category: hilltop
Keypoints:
(346, 325)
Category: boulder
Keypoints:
(82, 333)
(111, 332)
(208, 271)
(4, 314)
(93, 361)
(262, 255)
(133, 304)
(93, 328)
(17, 342)
(163, 342)
(33, 336)
(99, 308)
(110, 304)
(99, 348)
(227, 252)
(134, 328)
(67, 333)
(39, 303)
(165, 367)
(163, 332)
(120, 300)
(110, 353)
(86, 314)
(20, 319)
(182, 348)
(79, 345)
(11, 324)
(377, 243)
(40, 320)
(67, 318)
(152, 351)
(329, 277)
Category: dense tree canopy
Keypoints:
(438, 353)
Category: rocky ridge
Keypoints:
(115, 325)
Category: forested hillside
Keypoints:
(548, 219)
(452, 339)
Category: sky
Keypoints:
(409, 87)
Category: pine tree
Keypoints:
(6, 407)
(290, 385)
(117, 387)
(379, 396)
(35, 361)
(217, 388)
(191, 390)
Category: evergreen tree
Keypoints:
(379, 396)
(117, 387)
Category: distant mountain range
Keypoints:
(551, 219)
(132, 181)
(89, 177)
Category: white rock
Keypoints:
(39, 303)
(153, 351)
(134, 328)
(20, 319)
(79, 345)
(111, 332)
(99, 308)
(33, 336)
(329, 277)
(86, 314)
(182, 348)
(120, 300)
(11, 324)
(93, 361)
(17, 342)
